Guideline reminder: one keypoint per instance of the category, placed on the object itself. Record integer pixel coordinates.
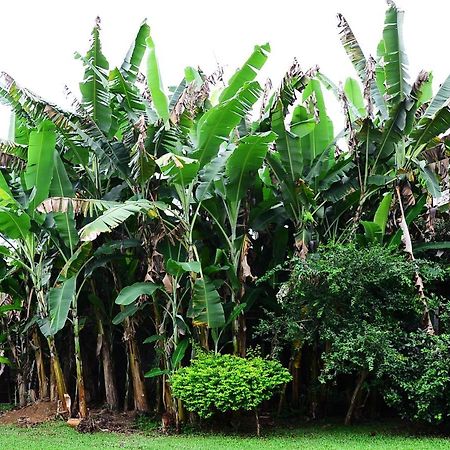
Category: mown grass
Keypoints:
(57, 435)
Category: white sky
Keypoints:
(38, 38)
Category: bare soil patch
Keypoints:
(30, 415)
(98, 420)
(106, 420)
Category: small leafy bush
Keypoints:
(221, 383)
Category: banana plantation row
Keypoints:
(141, 229)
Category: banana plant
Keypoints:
(303, 170)
(28, 243)
(392, 140)
(210, 168)
(389, 137)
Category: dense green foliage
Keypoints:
(222, 383)
(135, 226)
(418, 381)
(360, 308)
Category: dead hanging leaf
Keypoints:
(54, 204)
(407, 195)
(301, 249)
(418, 83)
(167, 282)
(11, 162)
(368, 83)
(155, 267)
(352, 140)
(246, 272)
(265, 97)
(430, 221)
(86, 207)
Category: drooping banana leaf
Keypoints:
(129, 294)
(112, 218)
(177, 268)
(210, 173)
(180, 169)
(436, 119)
(131, 100)
(206, 307)
(6, 196)
(13, 155)
(59, 301)
(76, 262)
(14, 225)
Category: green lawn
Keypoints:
(57, 435)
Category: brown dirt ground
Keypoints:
(106, 420)
(30, 415)
(43, 411)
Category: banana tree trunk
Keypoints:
(108, 368)
(21, 389)
(137, 377)
(59, 381)
(40, 366)
(82, 407)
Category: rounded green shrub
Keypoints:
(221, 383)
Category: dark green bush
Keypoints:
(359, 307)
(418, 382)
(221, 383)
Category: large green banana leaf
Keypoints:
(112, 218)
(40, 162)
(322, 135)
(247, 72)
(94, 87)
(215, 125)
(287, 143)
(59, 300)
(206, 307)
(62, 187)
(159, 97)
(243, 164)
(14, 225)
(129, 294)
(394, 59)
(132, 62)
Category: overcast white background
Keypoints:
(38, 38)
